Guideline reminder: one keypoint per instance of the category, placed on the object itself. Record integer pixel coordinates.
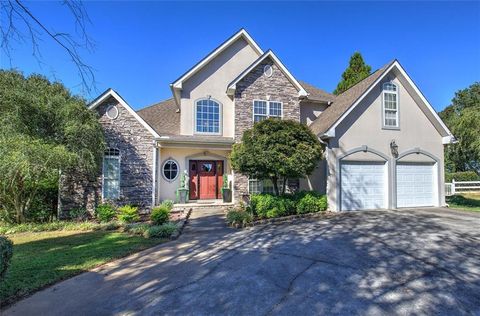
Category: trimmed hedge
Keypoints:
(6, 252)
(461, 176)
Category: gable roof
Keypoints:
(268, 54)
(112, 93)
(316, 94)
(176, 86)
(344, 103)
(163, 117)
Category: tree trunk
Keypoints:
(284, 187)
(275, 185)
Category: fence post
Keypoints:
(453, 186)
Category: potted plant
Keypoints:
(182, 191)
(226, 191)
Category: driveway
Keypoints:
(380, 262)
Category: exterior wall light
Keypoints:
(394, 148)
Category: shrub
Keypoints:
(268, 206)
(105, 212)
(311, 202)
(168, 204)
(160, 215)
(461, 176)
(6, 252)
(136, 228)
(128, 214)
(79, 214)
(235, 217)
(160, 231)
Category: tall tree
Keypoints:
(43, 130)
(463, 119)
(277, 150)
(357, 70)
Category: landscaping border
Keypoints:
(182, 225)
(287, 219)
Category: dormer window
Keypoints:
(207, 116)
(390, 105)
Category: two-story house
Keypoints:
(383, 140)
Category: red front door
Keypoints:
(205, 179)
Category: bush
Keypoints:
(8, 229)
(160, 231)
(6, 252)
(461, 176)
(268, 206)
(160, 215)
(311, 203)
(78, 214)
(136, 228)
(235, 217)
(128, 214)
(168, 204)
(105, 212)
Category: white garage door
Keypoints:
(415, 185)
(363, 185)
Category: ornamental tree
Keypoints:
(277, 150)
(43, 130)
(357, 70)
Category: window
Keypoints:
(390, 105)
(260, 186)
(266, 109)
(207, 116)
(170, 170)
(111, 174)
(112, 112)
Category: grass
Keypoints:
(465, 202)
(43, 258)
(7, 229)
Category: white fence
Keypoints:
(461, 187)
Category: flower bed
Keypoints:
(263, 208)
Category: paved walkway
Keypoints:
(380, 262)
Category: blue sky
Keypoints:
(141, 47)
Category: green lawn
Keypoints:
(43, 258)
(465, 202)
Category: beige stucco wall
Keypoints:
(166, 189)
(212, 80)
(363, 126)
(309, 111)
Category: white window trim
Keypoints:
(119, 174)
(220, 118)
(260, 185)
(163, 167)
(268, 109)
(397, 116)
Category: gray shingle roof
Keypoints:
(162, 117)
(316, 94)
(344, 101)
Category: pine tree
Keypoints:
(357, 70)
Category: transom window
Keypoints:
(170, 170)
(390, 105)
(111, 174)
(207, 116)
(266, 109)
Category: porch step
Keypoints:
(201, 206)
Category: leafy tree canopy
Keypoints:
(43, 130)
(463, 119)
(277, 150)
(357, 70)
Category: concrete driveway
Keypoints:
(379, 262)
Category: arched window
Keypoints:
(170, 169)
(390, 105)
(207, 116)
(111, 174)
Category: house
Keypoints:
(384, 141)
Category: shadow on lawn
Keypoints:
(360, 263)
(461, 200)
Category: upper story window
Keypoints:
(207, 116)
(111, 174)
(266, 109)
(390, 105)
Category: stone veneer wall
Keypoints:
(255, 86)
(135, 143)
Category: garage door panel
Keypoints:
(362, 185)
(415, 184)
